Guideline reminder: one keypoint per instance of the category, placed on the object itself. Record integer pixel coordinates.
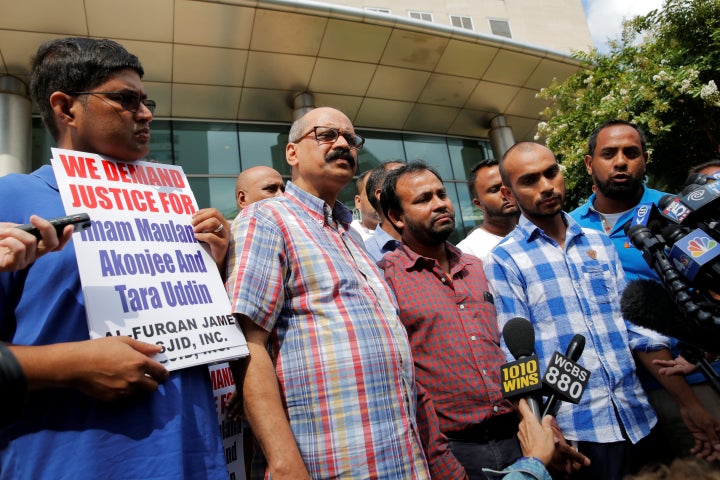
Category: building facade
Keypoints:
(229, 76)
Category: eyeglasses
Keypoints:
(128, 101)
(331, 134)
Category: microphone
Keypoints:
(564, 377)
(697, 202)
(648, 304)
(646, 215)
(702, 200)
(673, 208)
(521, 378)
(696, 255)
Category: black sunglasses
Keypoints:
(128, 101)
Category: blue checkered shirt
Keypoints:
(570, 291)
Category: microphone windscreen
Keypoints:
(647, 303)
(519, 336)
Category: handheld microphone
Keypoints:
(565, 377)
(646, 215)
(673, 208)
(521, 378)
(696, 255)
(702, 200)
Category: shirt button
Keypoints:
(484, 372)
(462, 307)
(473, 337)
(496, 409)
(442, 280)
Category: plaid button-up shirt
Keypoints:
(570, 289)
(340, 352)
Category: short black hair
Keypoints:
(76, 64)
(488, 162)
(389, 199)
(592, 142)
(376, 180)
(360, 180)
(713, 162)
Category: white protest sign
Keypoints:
(231, 431)
(143, 273)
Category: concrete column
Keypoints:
(501, 136)
(302, 104)
(15, 126)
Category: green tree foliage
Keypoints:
(662, 74)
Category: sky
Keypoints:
(605, 17)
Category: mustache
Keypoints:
(340, 153)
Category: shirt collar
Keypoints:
(316, 205)
(47, 174)
(411, 260)
(532, 232)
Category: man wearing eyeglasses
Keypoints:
(329, 390)
(105, 402)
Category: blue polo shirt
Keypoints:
(631, 258)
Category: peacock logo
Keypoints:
(698, 246)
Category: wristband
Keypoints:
(13, 386)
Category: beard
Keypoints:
(619, 191)
(434, 235)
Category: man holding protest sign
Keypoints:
(121, 412)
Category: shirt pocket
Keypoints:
(598, 284)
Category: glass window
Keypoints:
(212, 154)
(500, 27)
(215, 192)
(380, 148)
(465, 154)
(425, 16)
(41, 144)
(204, 148)
(460, 21)
(453, 189)
(264, 146)
(431, 150)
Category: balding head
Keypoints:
(257, 183)
(322, 152)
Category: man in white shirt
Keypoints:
(500, 214)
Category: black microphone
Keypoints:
(702, 200)
(521, 378)
(648, 304)
(565, 377)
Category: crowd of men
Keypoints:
(375, 349)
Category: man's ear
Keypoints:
(588, 164)
(241, 199)
(395, 219)
(63, 105)
(291, 154)
(507, 193)
(476, 202)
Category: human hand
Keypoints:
(18, 248)
(234, 406)
(212, 229)
(704, 428)
(112, 368)
(536, 439)
(675, 367)
(566, 460)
